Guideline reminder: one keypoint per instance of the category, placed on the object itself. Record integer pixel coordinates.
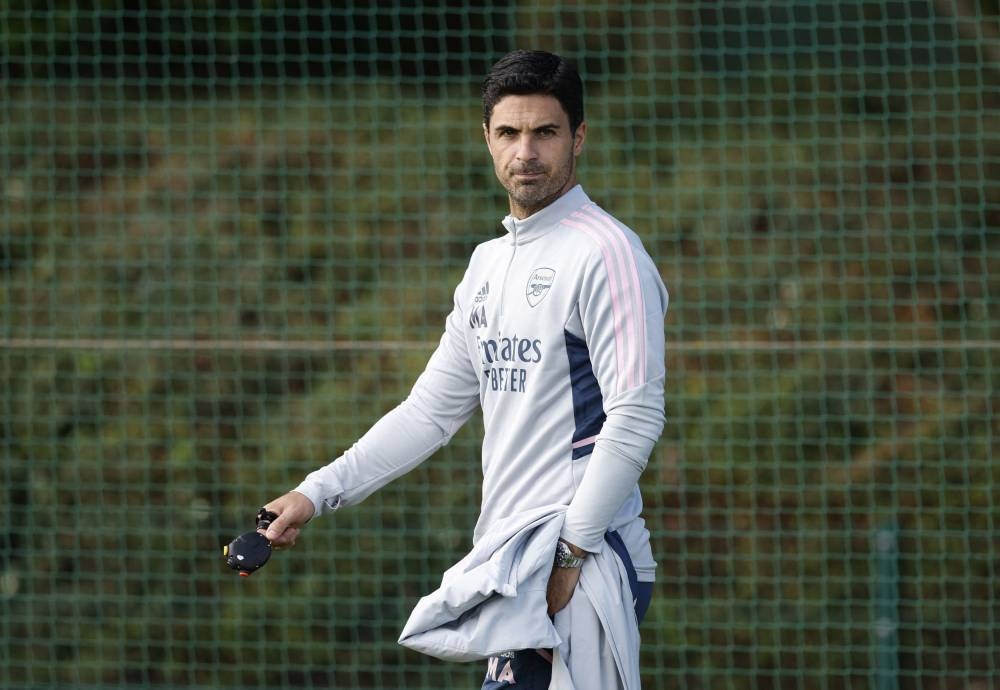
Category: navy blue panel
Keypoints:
(641, 598)
(588, 403)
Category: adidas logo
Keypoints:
(477, 319)
(483, 293)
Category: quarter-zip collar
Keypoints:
(540, 222)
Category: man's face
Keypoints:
(534, 152)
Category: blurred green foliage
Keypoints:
(831, 241)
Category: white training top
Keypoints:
(556, 332)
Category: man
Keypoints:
(556, 332)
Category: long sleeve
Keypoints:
(622, 307)
(442, 399)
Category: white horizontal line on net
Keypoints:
(276, 345)
(183, 344)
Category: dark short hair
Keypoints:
(529, 72)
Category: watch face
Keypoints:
(565, 557)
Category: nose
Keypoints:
(526, 148)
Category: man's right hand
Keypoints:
(294, 510)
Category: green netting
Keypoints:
(228, 238)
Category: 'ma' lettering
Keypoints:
(506, 673)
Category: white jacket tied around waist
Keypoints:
(493, 601)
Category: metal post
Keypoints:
(887, 607)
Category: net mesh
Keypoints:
(229, 239)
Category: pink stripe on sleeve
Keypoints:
(628, 277)
(626, 292)
(616, 308)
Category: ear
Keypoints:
(486, 136)
(579, 136)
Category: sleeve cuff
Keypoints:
(313, 493)
(580, 540)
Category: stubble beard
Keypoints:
(531, 196)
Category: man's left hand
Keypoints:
(563, 580)
(562, 584)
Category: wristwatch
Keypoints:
(566, 558)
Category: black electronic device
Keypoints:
(249, 552)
